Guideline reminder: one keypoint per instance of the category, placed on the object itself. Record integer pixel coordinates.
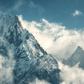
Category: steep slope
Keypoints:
(77, 57)
(27, 59)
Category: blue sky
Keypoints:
(67, 12)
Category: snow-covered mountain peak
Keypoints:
(28, 60)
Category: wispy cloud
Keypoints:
(18, 4)
(36, 7)
(32, 4)
(77, 13)
(12, 6)
(16, 7)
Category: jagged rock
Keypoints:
(25, 57)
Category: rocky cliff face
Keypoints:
(22, 57)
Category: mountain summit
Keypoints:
(22, 58)
(77, 57)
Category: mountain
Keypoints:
(22, 58)
(77, 57)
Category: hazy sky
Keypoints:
(67, 12)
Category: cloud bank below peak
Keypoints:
(71, 75)
(55, 38)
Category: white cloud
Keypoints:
(6, 67)
(55, 38)
(71, 75)
(77, 13)
(37, 81)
